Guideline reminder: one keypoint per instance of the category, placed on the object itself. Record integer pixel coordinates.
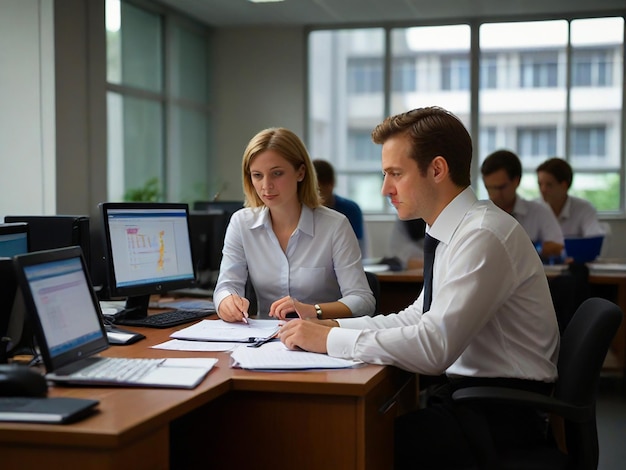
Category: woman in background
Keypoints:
(300, 256)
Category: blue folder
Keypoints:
(583, 250)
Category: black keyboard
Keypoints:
(165, 319)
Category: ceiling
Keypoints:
(229, 13)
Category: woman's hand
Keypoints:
(234, 308)
(282, 307)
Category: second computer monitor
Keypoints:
(48, 232)
(207, 240)
(14, 331)
(147, 251)
(229, 207)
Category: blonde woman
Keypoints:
(301, 257)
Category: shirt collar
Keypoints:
(566, 210)
(262, 219)
(451, 216)
(520, 207)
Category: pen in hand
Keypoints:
(244, 314)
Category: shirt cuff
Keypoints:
(218, 297)
(341, 342)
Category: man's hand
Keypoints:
(309, 335)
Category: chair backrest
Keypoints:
(584, 346)
(374, 283)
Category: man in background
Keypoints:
(577, 217)
(502, 174)
(326, 181)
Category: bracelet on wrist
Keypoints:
(318, 311)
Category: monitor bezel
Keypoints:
(47, 256)
(144, 288)
(12, 228)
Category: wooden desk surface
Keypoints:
(132, 427)
(409, 275)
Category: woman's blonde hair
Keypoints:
(290, 147)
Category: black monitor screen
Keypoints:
(13, 239)
(48, 232)
(14, 331)
(147, 251)
(229, 207)
(207, 240)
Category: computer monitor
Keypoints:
(14, 239)
(147, 251)
(14, 333)
(207, 231)
(48, 232)
(229, 207)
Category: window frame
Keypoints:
(551, 66)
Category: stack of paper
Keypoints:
(219, 330)
(276, 356)
(273, 355)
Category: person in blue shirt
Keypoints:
(299, 256)
(349, 208)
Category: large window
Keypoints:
(346, 85)
(545, 88)
(350, 92)
(157, 106)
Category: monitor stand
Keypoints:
(136, 307)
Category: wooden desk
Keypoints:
(617, 279)
(400, 289)
(233, 419)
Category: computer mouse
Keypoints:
(21, 381)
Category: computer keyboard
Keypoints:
(165, 319)
(119, 369)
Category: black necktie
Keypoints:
(430, 244)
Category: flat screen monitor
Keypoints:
(14, 332)
(14, 239)
(229, 207)
(207, 240)
(48, 232)
(147, 251)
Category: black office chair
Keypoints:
(584, 346)
(374, 282)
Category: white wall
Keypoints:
(27, 137)
(259, 81)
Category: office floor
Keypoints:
(611, 417)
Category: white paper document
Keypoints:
(183, 345)
(276, 356)
(607, 267)
(219, 330)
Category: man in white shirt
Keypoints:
(502, 173)
(491, 320)
(577, 217)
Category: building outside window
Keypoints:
(524, 102)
